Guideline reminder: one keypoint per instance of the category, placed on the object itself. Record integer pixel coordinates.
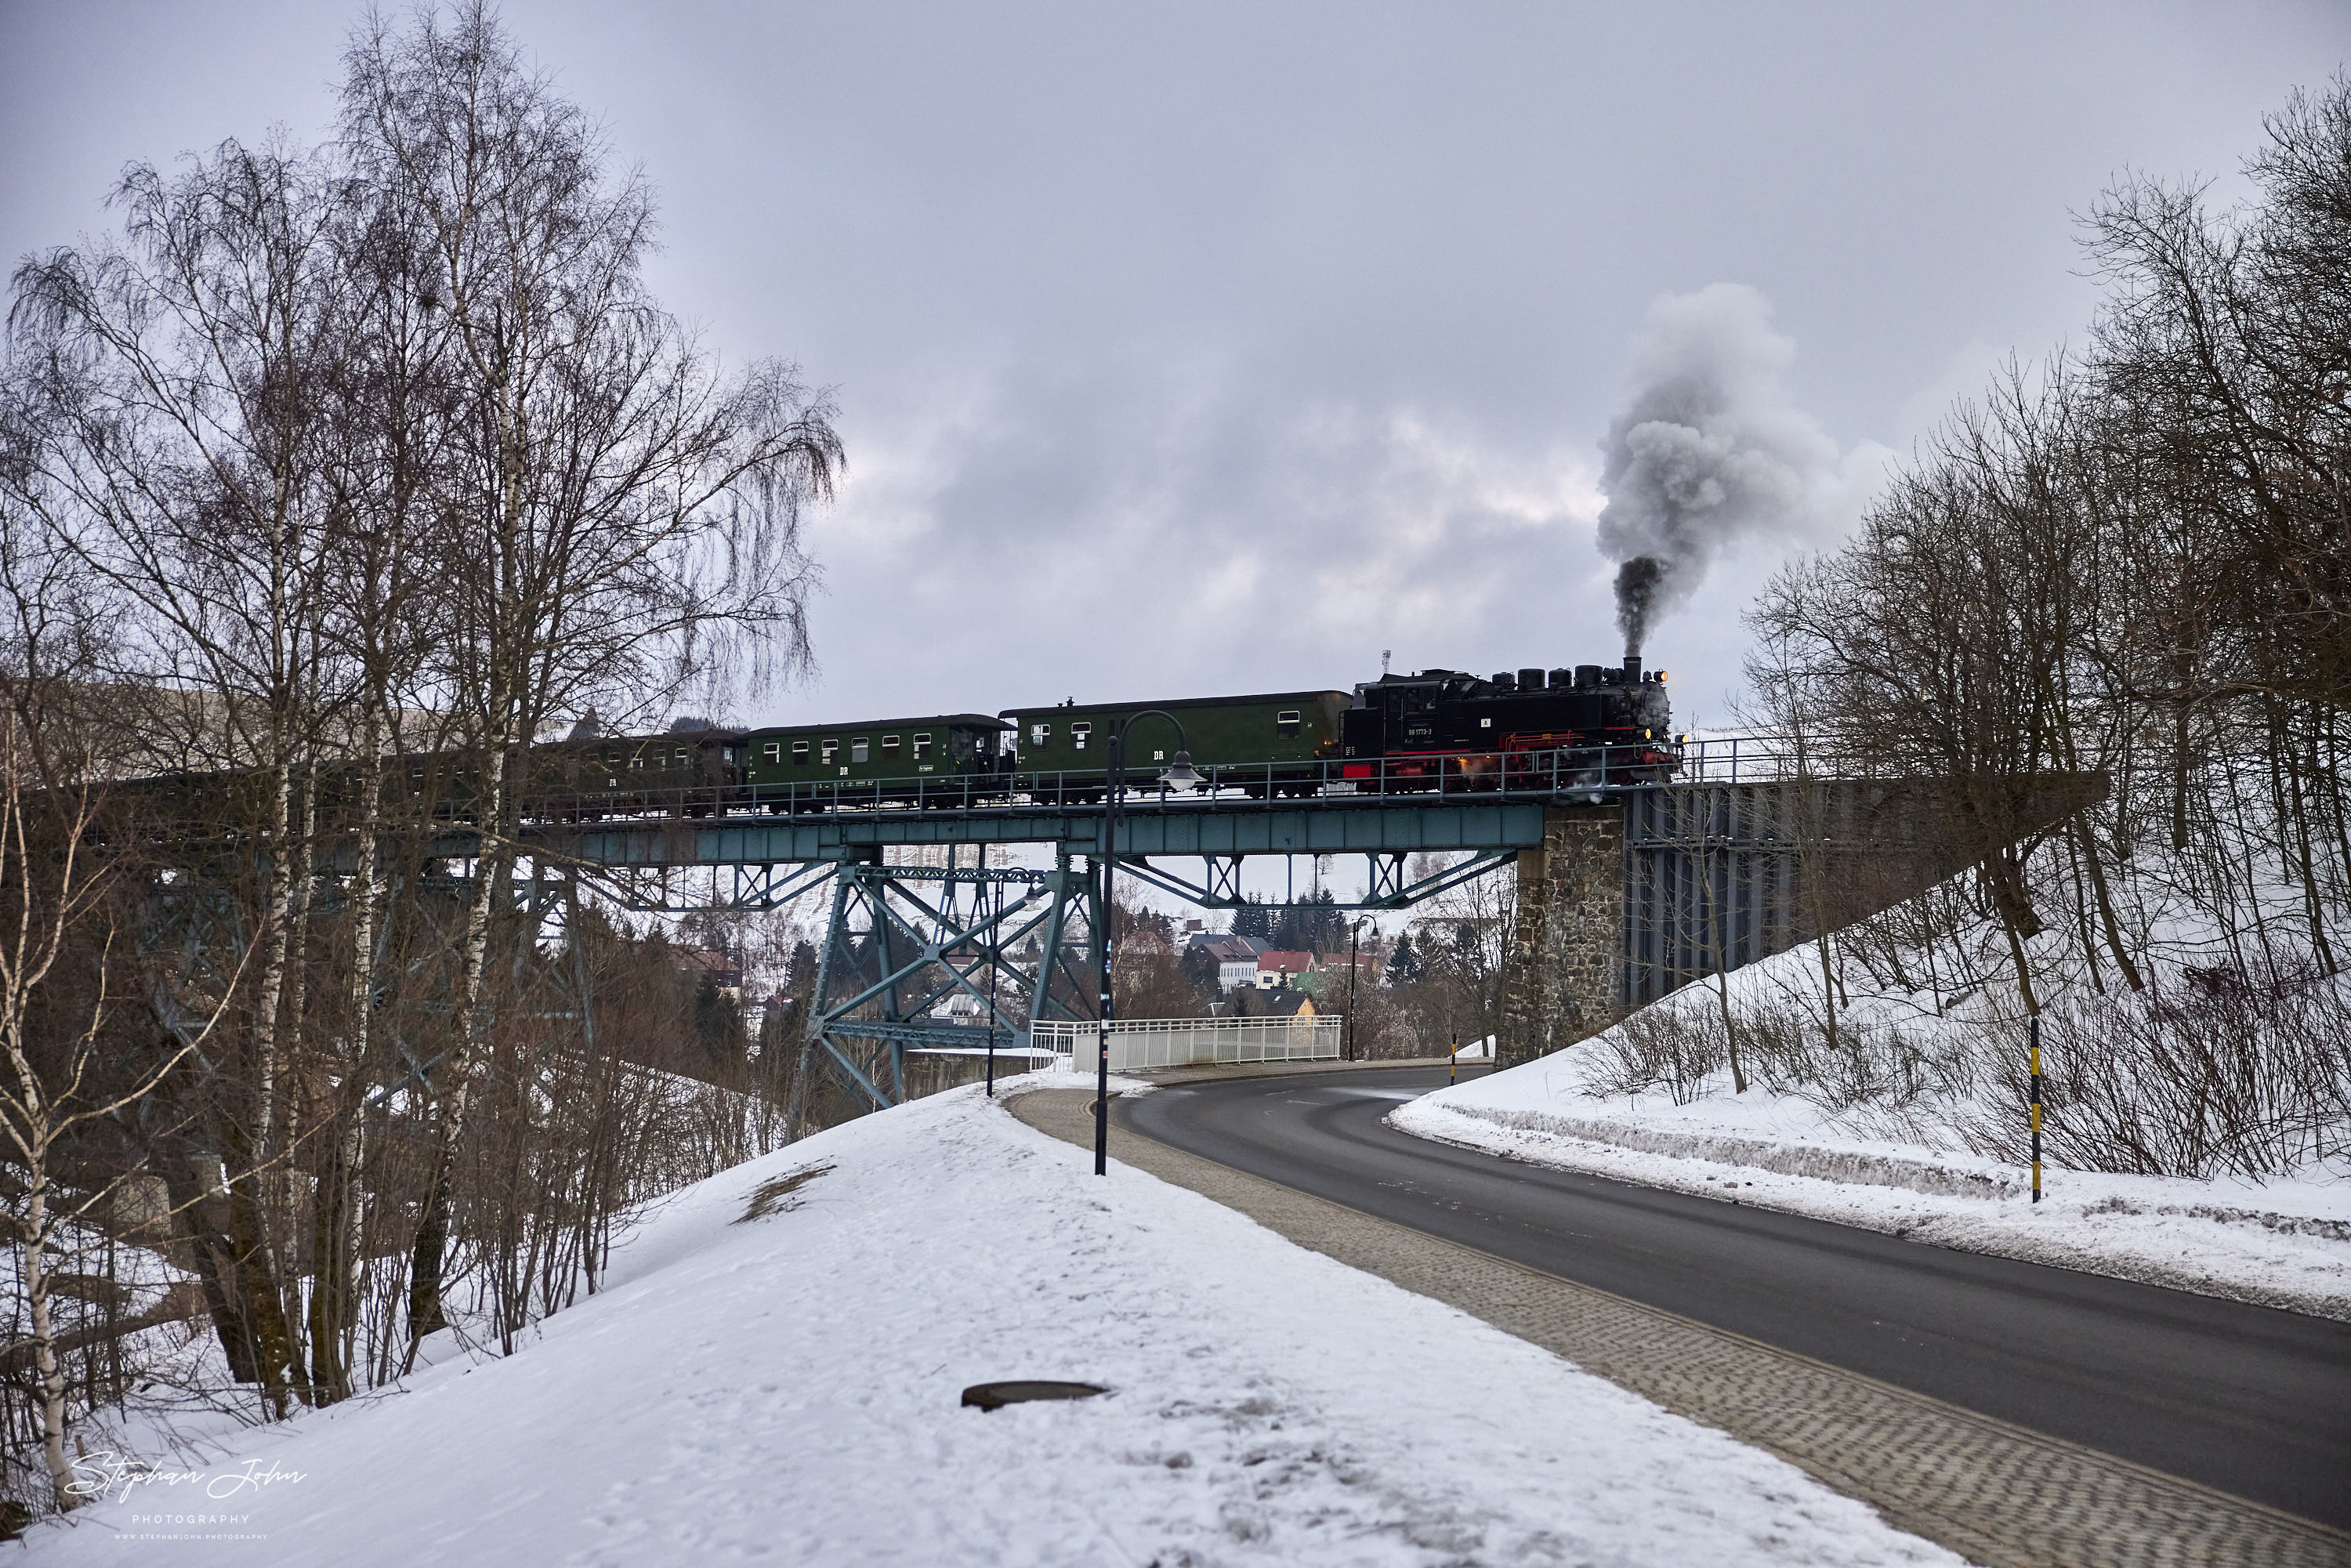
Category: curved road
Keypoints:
(2247, 1399)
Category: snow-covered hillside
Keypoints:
(786, 1388)
(1897, 1146)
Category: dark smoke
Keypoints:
(1708, 451)
(1636, 590)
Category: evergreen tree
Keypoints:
(1253, 919)
(1326, 930)
(717, 1024)
(1404, 968)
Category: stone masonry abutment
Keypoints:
(1562, 971)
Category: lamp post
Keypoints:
(1180, 777)
(1354, 978)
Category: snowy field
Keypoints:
(786, 1389)
(2283, 1242)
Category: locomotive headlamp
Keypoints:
(1181, 776)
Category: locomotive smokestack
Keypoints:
(1632, 669)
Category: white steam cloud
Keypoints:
(1708, 451)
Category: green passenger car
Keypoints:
(809, 767)
(1254, 742)
(689, 772)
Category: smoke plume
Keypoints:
(1708, 451)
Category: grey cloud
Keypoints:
(1186, 349)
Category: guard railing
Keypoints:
(1137, 1044)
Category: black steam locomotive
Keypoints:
(1566, 728)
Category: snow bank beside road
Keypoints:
(786, 1388)
(2283, 1243)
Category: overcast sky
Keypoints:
(1189, 349)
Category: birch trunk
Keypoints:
(45, 1351)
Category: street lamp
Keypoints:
(1180, 776)
(1354, 979)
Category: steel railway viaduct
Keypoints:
(1624, 892)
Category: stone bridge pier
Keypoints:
(1564, 961)
(1630, 899)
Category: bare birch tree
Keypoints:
(615, 516)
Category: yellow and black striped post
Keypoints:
(2033, 1027)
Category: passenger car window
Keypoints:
(1038, 734)
(857, 748)
(800, 754)
(774, 751)
(832, 750)
(1285, 724)
(922, 746)
(890, 749)
(1078, 733)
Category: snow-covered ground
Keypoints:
(786, 1388)
(2284, 1242)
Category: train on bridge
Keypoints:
(1530, 731)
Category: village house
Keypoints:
(1280, 1003)
(709, 965)
(1236, 958)
(1278, 971)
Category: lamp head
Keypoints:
(1181, 776)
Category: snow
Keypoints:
(787, 1388)
(2285, 1242)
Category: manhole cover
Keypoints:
(996, 1395)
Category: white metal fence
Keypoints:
(1138, 1043)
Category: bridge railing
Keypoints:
(1745, 756)
(1591, 772)
(1139, 1043)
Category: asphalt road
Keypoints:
(2247, 1399)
